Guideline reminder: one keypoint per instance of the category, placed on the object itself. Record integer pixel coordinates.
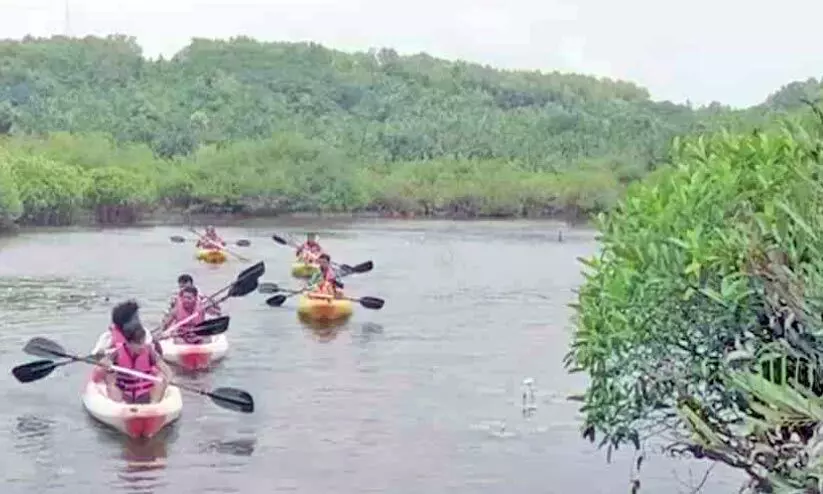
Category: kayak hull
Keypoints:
(195, 357)
(211, 256)
(303, 269)
(316, 308)
(136, 421)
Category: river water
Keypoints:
(423, 396)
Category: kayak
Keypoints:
(137, 421)
(195, 357)
(323, 308)
(302, 269)
(211, 256)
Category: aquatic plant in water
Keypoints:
(700, 321)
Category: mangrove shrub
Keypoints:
(699, 321)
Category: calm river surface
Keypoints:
(423, 396)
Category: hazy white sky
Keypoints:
(733, 51)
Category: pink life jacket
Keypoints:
(117, 338)
(180, 314)
(142, 362)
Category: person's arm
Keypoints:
(168, 319)
(315, 278)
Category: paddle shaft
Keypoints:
(296, 246)
(170, 331)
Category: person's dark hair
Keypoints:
(185, 278)
(134, 332)
(123, 312)
(325, 257)
(189, 289)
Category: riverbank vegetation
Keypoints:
(700, 322)
(266, 128)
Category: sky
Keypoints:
(732, 51)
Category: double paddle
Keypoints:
(228, 398)
(245, 283)
(240, 243)
(373, 303)
(343, 268)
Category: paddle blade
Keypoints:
(279, 240)
(243, 242)
(177, 239)
(364, 267)
(254, 272)
(33, 371)
(212, 327)
(44, 347)
(276, 301)
(244, 287)
(268, 288)
(232, 399)
(372, 303)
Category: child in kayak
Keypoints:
(190, 311)
(211, 240)
(310, 249)
(324, 280)
(135, 354)
(121, 315)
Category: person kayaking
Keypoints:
(211, 240)
(189, 310)
(183, 281)
(325, 280)
(310, 248)
(121, 314)
(135, 354)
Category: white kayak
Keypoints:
(195, 357)
(130, 419)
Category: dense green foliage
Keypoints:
(700, 319)
(285, 127)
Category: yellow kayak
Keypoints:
(323, 308)
(302, 269)
(211, 256)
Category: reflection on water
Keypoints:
(33, 434)
(143, 461)
(234, 447)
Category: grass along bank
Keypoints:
(59, 179)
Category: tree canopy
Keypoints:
(296, 126)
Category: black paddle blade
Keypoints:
(243, 242)
(276, 301)
(372, 302)
(364, 267)
(232, 399)
(254, 272)
(44, 347)
(243, 288)
(279, 240)
(177, 239)
(212, 327)
(268, 288)
(33, 371)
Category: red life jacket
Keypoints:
(117, 338)
(142, 362)
(180, 314)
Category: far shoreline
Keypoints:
(180, 217)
